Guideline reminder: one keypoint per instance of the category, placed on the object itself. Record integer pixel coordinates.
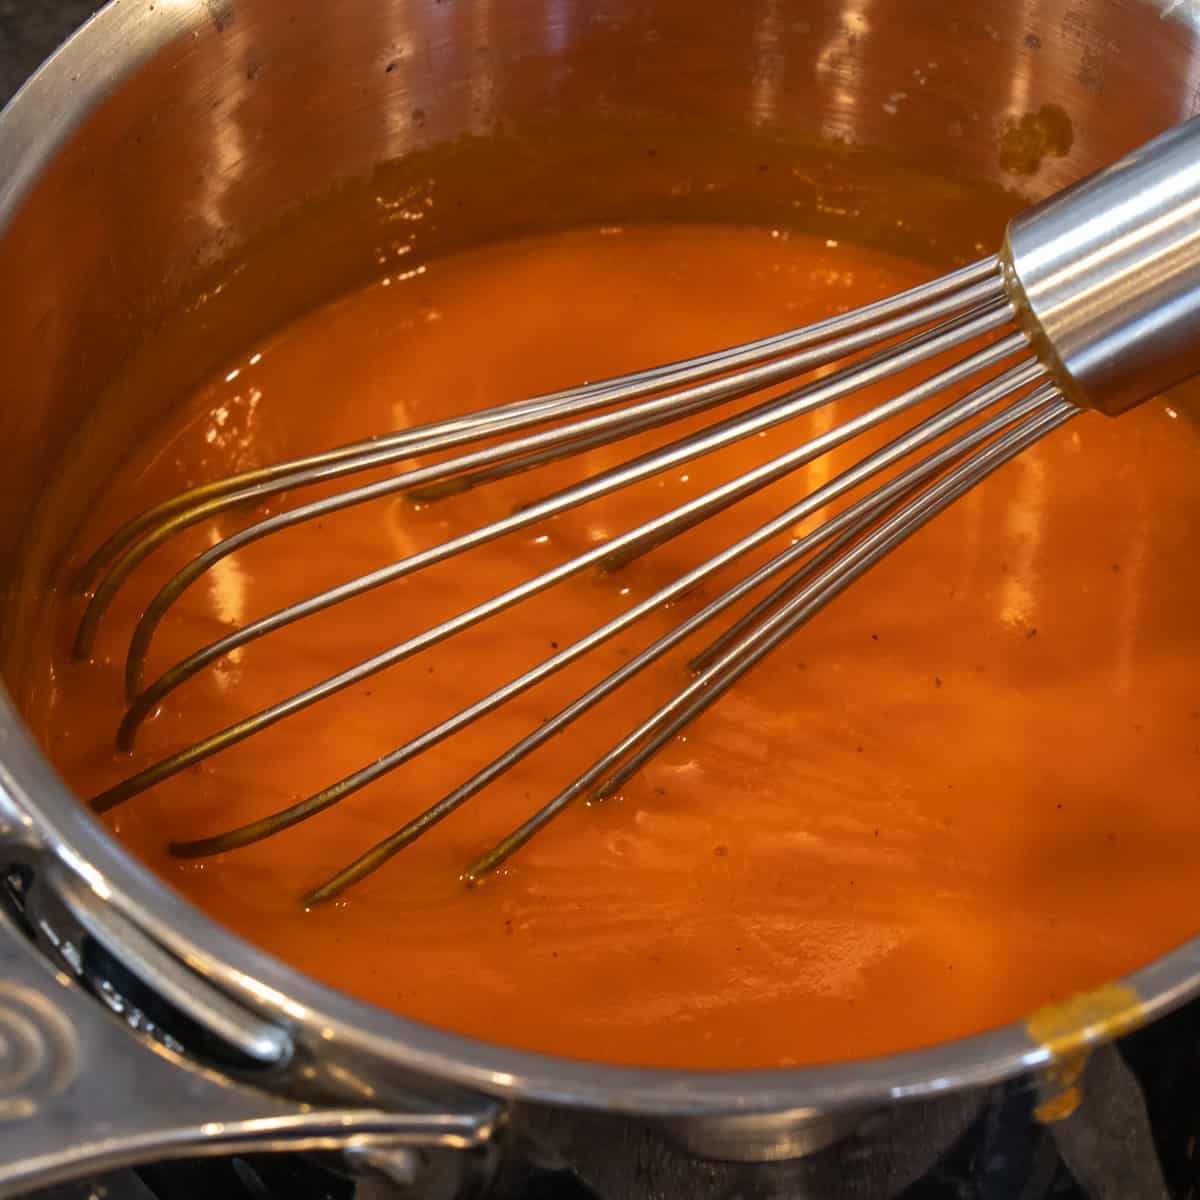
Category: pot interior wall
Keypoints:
(178, 221)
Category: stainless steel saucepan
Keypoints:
(169, 134)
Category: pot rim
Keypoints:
(33, 127)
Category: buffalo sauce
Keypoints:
(964, 790)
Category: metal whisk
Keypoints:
(1094, 302)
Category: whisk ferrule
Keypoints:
(1105, 276)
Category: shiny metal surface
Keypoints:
(168, 134)
(756, 1137)
(261, 1041)
(722, 381)
(1110, 274)
(78, 1093)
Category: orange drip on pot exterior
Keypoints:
(966, 790)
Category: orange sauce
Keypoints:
(965, 790)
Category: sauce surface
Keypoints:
(965, 790)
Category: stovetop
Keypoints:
(1135, 1137)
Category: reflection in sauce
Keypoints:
(965, 791)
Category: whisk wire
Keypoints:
(299, 472)
(802, 350)
(1008, 406)
(923, 434)
(759, 419)
(711, 501)
(978, 320)
(845, 526)
(683, 708)
(840, 529)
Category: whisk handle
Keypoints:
(1106, 275)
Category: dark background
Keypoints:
(30, 30)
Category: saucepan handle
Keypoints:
(81, 1094)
